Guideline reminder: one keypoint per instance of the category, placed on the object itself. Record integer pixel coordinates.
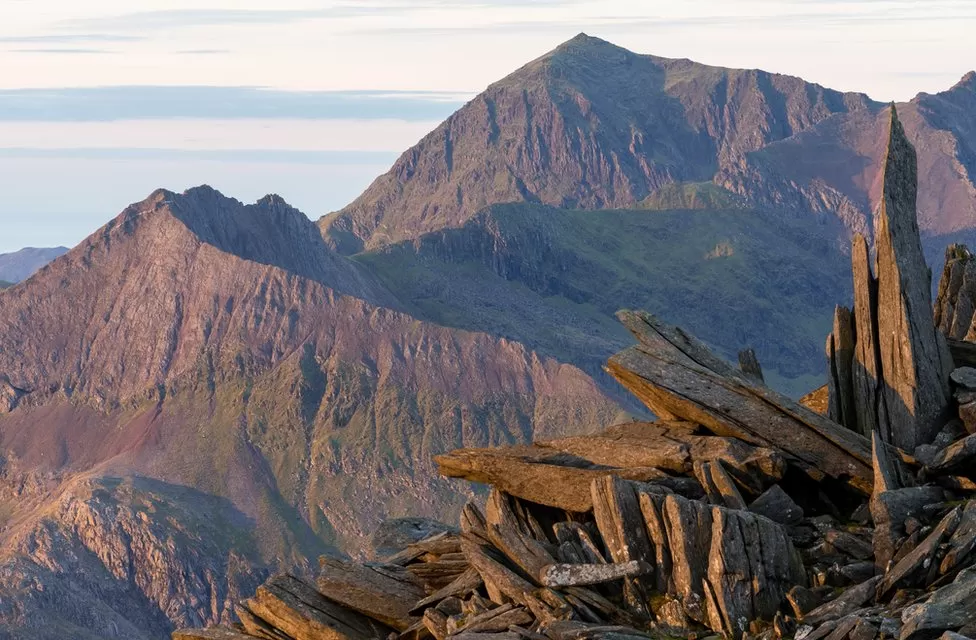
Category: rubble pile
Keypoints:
(739, 513)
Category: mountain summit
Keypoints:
(589, 125)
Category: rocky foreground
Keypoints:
(739, 512)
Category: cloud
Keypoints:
(242, 156)
(69, 38)
(186, 18)
(62, 51)
(106, 104)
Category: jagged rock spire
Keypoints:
(900, 370)
(915, 360)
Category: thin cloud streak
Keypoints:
(107, 104)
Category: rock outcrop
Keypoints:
(898, 378)
(956, 301)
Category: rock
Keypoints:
(215, 633)
(864, 630)
(727, 566)
(678, 377)
(859, 571)
(890, 510)
(616, 508)
(963, 541)
(778, 506)
(956, 300)
(840, 375)
(850, 544)
(956, 457)
(845, 604)
(718, 485)
(539, 475)
(803, 600)
(674, 447)
(463, 585)
(573, 575)
(286, 603)
(915, 359)
(950, 608)
(866, 366)
(383, 593)
(750, 367)
(395, 535)
(964, 378)
(910, 569)
(967, 413)
(496, 576)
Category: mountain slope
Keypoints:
(554, 279)
(182, 359)
(832, 168)
(19, 265)
(589, 125)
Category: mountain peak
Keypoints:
(968, 81)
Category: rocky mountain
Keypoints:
(201, 390)
(589, 125)
(19, 265)
(205, 391)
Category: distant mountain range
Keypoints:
(20, 265)
(203, 391)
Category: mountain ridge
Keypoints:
(198, 355)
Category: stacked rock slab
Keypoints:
(900, 372)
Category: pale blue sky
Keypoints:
(103, 101)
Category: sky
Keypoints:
(103, 101)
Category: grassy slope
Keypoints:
(553, 279)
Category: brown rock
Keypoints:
(542, 475)
(216, 633)
(727, 566)
(303, 613)
(956, 457)
(718, 485)
(616, 508)
(675, 375)
(382, 593)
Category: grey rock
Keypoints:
(950, 608)
(778, 506)
(964, 378)
(845, 604)
(890, 510)
(956, 300)
(915, 359)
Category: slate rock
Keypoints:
(778, 506)
(914, 355)
(950, 608)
